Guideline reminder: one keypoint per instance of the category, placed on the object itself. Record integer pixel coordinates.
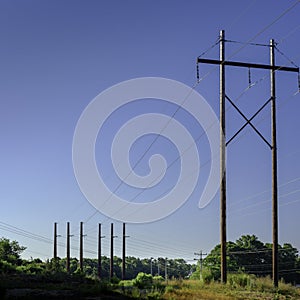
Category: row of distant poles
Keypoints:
(100, 237)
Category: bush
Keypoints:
(115, 280)
(239, 280)
(126, 283)
(7, 267)
(157, 282)
(143, 280)
(31, 268)
(207, 276)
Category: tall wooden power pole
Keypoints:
(274, 170)
(273, 145)
(55, 241)
(99, 252)
(111, 251)
(81, 247)
(166, 269)
(112, 236)
(222, 160)
(68, 248)
(123, 253)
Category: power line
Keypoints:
(179, 107)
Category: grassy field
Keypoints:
(255, 288)
(239, 286)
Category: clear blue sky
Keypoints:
(56, 56)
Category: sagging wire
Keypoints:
(287, 58)
(247, 43)
(291, 62)
(202, 54)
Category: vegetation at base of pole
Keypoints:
(249, 269)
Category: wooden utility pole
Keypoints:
(99, 252)
(274, 170)
(273, 145)
(81, 247)
(112, 236)
(123, 252)
(166, 269)
(200, 262)
(55, 241)
(68, 248)
(111, 251)
(151, 267)
(222, 160)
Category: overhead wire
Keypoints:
(288, 34)
(199, 82)
(265, 28)
(200, 79)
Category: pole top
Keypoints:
(222, 34)
(272, 42)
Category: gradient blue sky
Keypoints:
(56, 56)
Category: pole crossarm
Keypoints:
(247, 65)
(248, 121)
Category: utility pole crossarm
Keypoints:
(247, 65)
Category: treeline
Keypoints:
(11, 262)
(176, 268)
(245, 255)
(249, 255)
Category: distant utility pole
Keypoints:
(55, 241)
(112, 236)
(99, 251)
(151, 270)
(68, 247)
(81, 246)
(166, 269)
(200, 254)
(158, 266)
(273, 145)
(123, 252)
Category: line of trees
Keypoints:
(249, 255)
(11, 262)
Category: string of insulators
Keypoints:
(198, 75)
(249, 77)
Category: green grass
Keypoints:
(239, 286)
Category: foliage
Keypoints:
(10, 251)
(250, 255)
(240, 286)
(7, 267)
(143, 280)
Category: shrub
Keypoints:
(126, 283)
(207, 276)
(157, 282)
(239, 280)
(7, 267)
(143, 280)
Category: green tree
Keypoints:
(250, 255)
(10, 251)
